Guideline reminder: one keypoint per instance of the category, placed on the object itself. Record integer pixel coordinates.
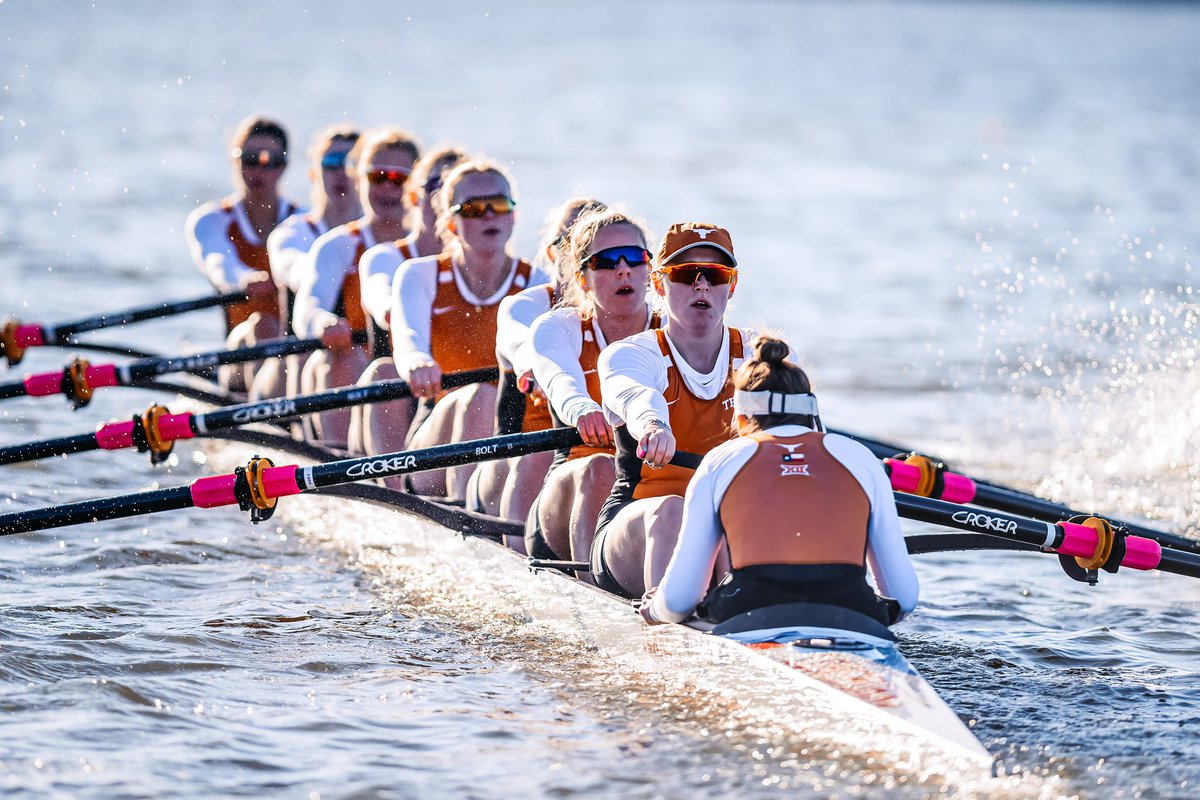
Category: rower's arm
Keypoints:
(212, 252)
(690, 572)
(413, 292)
(887, 553)
(556, 340)
(288, 245)
(376, 271)
(322, 283)
(632, 381)
(513, 322)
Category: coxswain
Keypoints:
(664, 390)
(334, 202)
(374, 428)
(444, 315)
(506, 488)
(604, 272)
(328, 304)
(798, 514)
(228, 238)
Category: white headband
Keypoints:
(751, 404)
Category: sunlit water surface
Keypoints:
(975, 221)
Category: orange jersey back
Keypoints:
(462, 335)
(818, 512)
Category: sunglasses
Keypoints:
(396, 177)
(479, 206)
(263, 158)
(611, 258)
(715, 274)
(433, 184)
(334, 160)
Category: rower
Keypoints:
(444, 314)
(831, 512)
(666, 389)
(334, 202)
(328, 304)
(506, 488)
(604, 271)
(227, 238)
(374, 428)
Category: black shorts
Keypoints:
(765, 585)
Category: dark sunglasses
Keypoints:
(396, 177)
(334, 160)
(611, 258)
(479, 206)
(715, 274)
(263, 158)
(433, 184)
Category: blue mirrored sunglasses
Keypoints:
(334, 160)
(610, 258)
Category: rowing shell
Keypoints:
(826, 673)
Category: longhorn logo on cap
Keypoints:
(703, 232)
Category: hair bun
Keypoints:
(770, 350)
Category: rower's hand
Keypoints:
(337, 336)
(594, 430)
(657, 447)
(425, 381)
(644, 607)
(528, 385)
(260, 287)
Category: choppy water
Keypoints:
(984, 218)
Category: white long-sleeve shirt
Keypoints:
(207, 231)
(324, 273)
(413, 293)
(687, 578)
(376, 272)
(556, 342)
(633, 377)
(290, 243)
(513, 321)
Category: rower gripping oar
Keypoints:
(157, 430)
(16, 338)
(80, 379)
(257, 487)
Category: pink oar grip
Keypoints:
(1078, 540)
(905, 477)
(47, 383)
(957, 488)
(29, 336)
(104, 375)
(214, 491)
(1141, 553)
(175, 426)
(280, 481)
(115, 435)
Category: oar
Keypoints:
(157, 430)
(79, 380)
(16, 338)
(1092, 541)
(1001, 498)
(257, 487)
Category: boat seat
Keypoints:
(804, 615)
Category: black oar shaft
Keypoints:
(32, 451)
(58, 334)
(1005, 499)
(285, 408)
(96, 510)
